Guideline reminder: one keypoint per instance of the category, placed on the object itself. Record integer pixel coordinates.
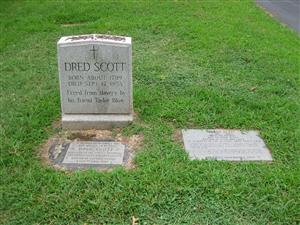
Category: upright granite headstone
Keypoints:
(95, 73)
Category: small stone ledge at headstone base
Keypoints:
(95, 121)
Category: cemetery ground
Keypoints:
(210, 64)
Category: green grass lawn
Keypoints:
(209, 64)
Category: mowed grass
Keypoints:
(196, 64)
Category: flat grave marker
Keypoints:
(219, 144)
(89, 154)
(92, 152)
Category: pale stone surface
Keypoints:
(219, 144)
(95, 153)
(90, 121)
(95, 73)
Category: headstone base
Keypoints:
(90, 121)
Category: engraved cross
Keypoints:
(94, 51)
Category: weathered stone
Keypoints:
(95, 74)
(89, 154)
(93, 152)
(232, 145)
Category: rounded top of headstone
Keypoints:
(94, 38)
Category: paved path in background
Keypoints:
(287, 11)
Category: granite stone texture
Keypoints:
(95, 74)
(219, 144)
